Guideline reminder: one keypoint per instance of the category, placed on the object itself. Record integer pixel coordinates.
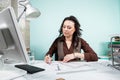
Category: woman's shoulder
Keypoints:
(82, 40)
(59, 38)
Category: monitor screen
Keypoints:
(12, 45)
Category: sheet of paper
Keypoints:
(69, 67)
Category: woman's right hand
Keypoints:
(48, 59)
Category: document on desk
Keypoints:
(71, 67)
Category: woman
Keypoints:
(67, 47)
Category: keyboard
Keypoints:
(29, 68)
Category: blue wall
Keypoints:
(98, 18)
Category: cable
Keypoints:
(23, 10)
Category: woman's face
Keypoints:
(68, 28)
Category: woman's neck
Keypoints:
(68, 38)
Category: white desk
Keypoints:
(94, 71)
(9, 72)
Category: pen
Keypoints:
(58, 68)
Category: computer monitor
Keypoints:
(12, 45)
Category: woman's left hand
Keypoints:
(68, 57)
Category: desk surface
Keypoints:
(74, 71)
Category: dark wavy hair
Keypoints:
(77, 32)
